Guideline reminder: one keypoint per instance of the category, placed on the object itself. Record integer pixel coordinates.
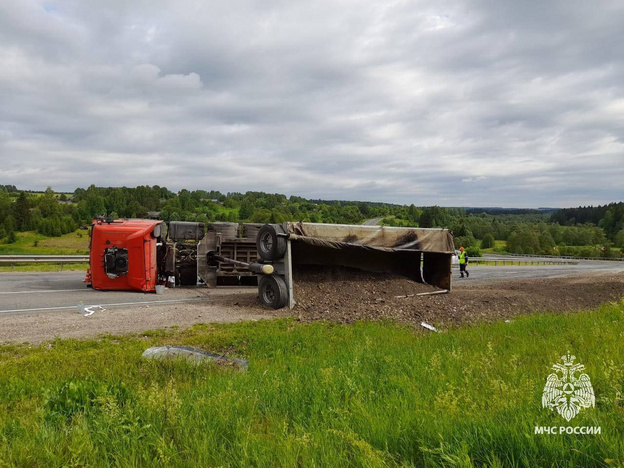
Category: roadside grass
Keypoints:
(43, 267)
(589, 251)
(500, 246)
(74, 243)
(318, 394)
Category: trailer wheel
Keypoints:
(270, 246)
(272, 291)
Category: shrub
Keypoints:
(465, 241)
(488, 241)
(473, 252)
(619, 239)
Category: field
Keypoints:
(32, 243)
(316, 394)
(499, 246)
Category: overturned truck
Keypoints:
(423, 255)
(139, 254)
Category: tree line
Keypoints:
(608, 217)
(43, 213)
(586, 231)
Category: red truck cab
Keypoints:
(123, 254)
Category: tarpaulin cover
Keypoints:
(375, 248)
(336, 236)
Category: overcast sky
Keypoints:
(456, 103)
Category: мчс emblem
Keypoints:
(568, 393)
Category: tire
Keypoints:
(269, 245)
(272, 291)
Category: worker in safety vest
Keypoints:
(463, 261)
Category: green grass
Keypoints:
(587, 251)
(368, 394)
(44, 267)
(499, 246)
(74, 243)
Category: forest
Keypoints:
(584, 231)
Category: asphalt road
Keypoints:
(372, 222)
(486, 273)
(39, 292)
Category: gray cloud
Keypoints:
(453, 103)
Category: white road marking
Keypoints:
(43, 291)
(42, 309)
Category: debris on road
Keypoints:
(432, 293)
(346, 296)
(429, 327)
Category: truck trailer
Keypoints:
(139, 254)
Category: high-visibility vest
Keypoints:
(462, 258)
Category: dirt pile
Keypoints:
(348, 295)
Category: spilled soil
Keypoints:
(367, 296)
(344, 295)
(397, 298)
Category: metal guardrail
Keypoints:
(559, 257)
(62, 259)
(511, 262)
